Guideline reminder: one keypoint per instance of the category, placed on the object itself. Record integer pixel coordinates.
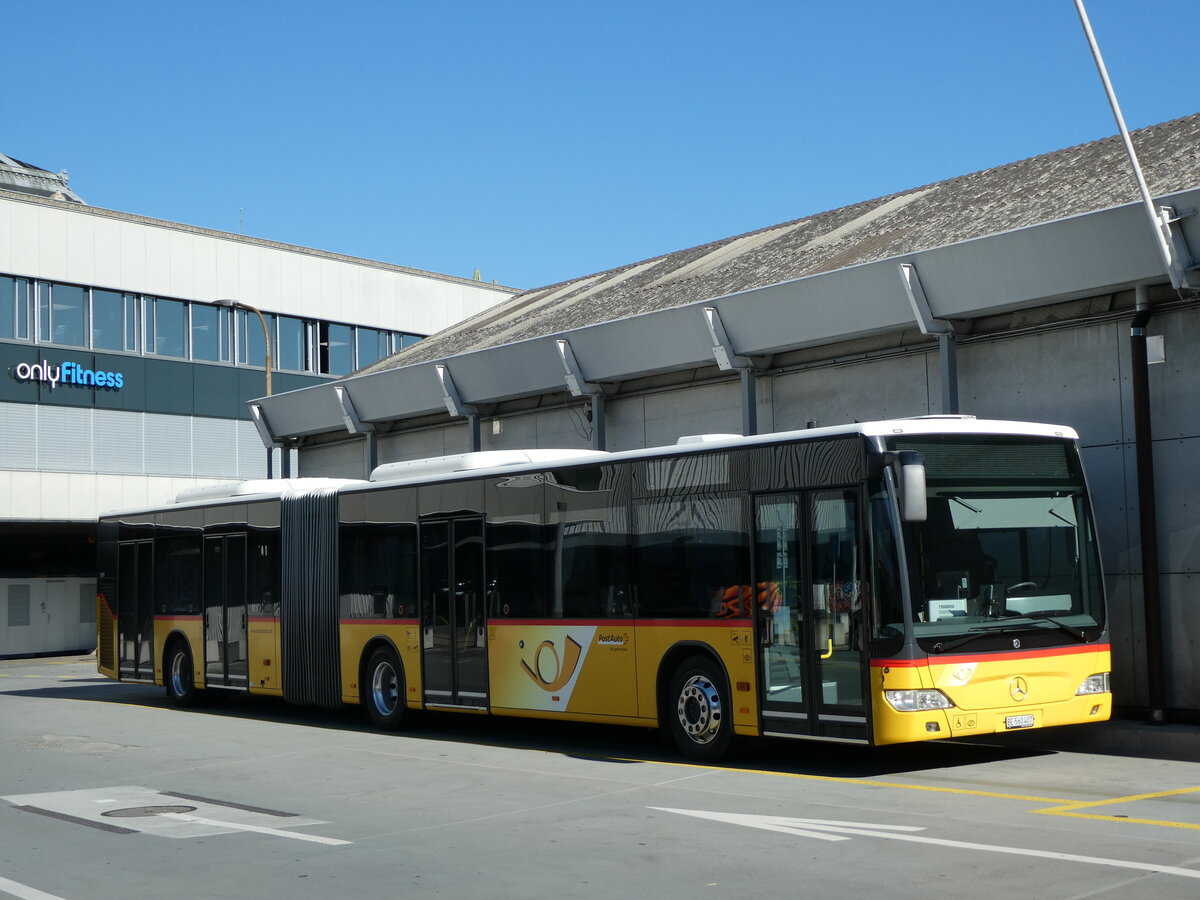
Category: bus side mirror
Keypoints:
(912, 486)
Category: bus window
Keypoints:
(177, 587)
(378, 571)
(691, 552)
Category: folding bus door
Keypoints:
(453, 618)
(225, 610)
(135, 609)
(807, 564)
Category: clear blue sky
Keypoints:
(540, 141)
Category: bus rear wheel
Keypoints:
(179, 677)
(382, 690)
(698, 712)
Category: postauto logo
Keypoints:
(71, 373)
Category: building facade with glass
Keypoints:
(125, 381)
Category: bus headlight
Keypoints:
(1094, 684)
(915, 701)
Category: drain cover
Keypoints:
(137, 812)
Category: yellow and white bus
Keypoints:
(879, 582)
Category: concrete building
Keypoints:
(125, 382)
(1031, 291)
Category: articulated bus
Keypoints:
(880, 582)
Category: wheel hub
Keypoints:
(699, 709)
(383, 689)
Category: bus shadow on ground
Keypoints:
(607, 743)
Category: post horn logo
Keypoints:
(1019, 688)
(551, 674)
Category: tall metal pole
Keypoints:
(1156, 221)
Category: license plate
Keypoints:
(1018, 721)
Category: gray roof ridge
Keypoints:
(872, 201)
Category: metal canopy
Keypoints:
(1085, 255)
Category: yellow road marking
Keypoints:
(1071, 810)
(1066, 808)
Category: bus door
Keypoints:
(453, 617)
(135, 609)
(809, 613)
(225, 610)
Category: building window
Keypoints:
(14, 308)
(210, 332)
(293, 344)
(108, 320)
(337, 349)
(133, 323)
(61, 314)
(251, 350)
(371, 345)
(170, 331)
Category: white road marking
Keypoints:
(257, 829)
(827, 830)
(150, 812)
(24, 891)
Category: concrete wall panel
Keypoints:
(1105, 467)
(416, 445)
(50, 252)
(516, 433)
(343, 460)
(704, 409)
(1175, 384)
(1181, 622)
(1127, 626)
(565, 428)
(106, 253)
(1177, 495)
(626, 423)
(879, 389)
(1067, 377)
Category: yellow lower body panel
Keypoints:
(266, 673)
(191, 628)
(402, 635)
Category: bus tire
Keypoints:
(179, 675)
(698, 710)
(382, 691)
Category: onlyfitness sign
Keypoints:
(69, 373)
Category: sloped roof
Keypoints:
(24, 178)
(1053, 186)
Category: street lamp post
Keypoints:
(232, 304)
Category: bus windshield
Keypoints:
(1007, 556)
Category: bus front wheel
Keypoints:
(382, 689)
(698, 711)
(179, 675)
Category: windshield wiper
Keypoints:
(976, 633)
(1058, 623)
(939, 647)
